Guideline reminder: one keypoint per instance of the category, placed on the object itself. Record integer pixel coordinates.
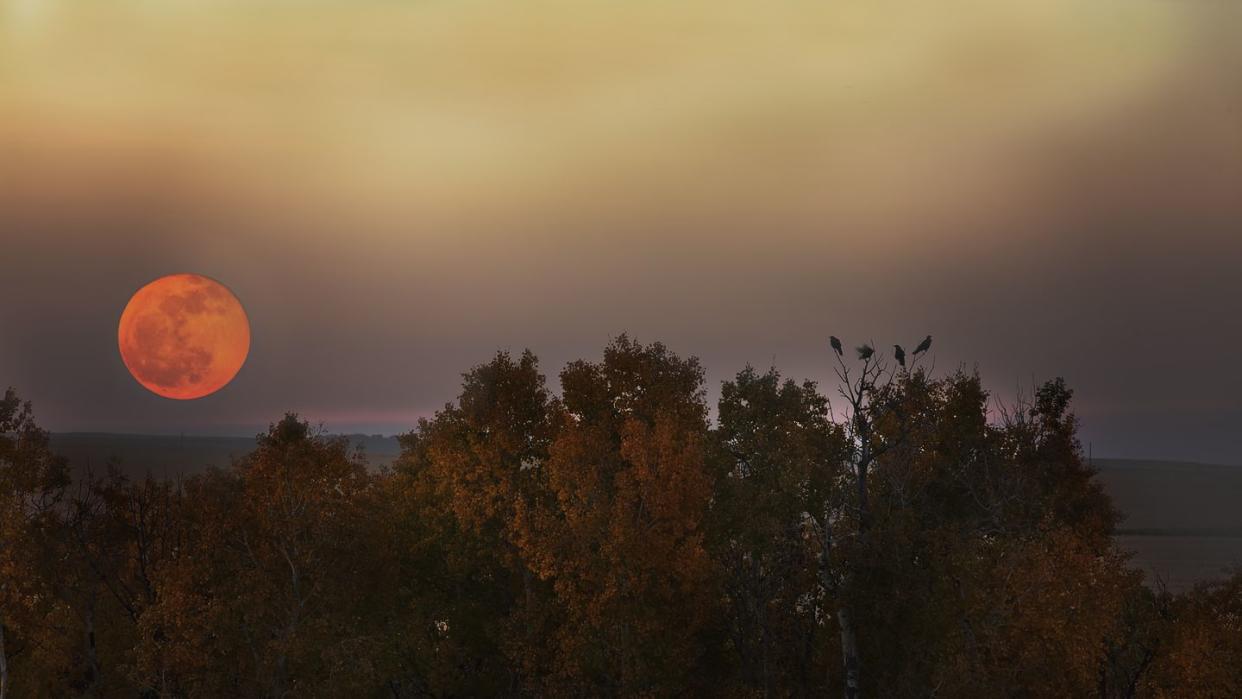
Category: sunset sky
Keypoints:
(395, 190)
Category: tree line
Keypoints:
(609, 538)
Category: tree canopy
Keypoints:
(609, 536)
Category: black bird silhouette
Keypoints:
(836, 344)
(900, 354)
(923, 346)
(865, 352)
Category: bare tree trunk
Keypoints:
(4, 666)
(849, 652)
(845, 618)
(860, 427)
(92, 654)
(825, 559)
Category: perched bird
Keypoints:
(900, 354)
(865, 352)
(923, 346)
(836, 344)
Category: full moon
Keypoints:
(184, 336)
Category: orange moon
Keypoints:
(184, 336)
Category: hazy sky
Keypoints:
(397, 189)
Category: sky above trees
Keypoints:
(395, 192)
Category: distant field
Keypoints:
(1183, 521)
(1181, 561)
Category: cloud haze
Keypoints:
(395, 191)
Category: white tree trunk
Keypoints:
(849, 653)
(4, 666)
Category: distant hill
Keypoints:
(1183, 521)
(170, 456)
(1166, 496)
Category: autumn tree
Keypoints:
(620, 536)
(123, 535)
(477, 613)
(911, 537)
(1197, 650)
(966, 554)
(76, 565)
(34, 652)
(776, 456)
(284, 561)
